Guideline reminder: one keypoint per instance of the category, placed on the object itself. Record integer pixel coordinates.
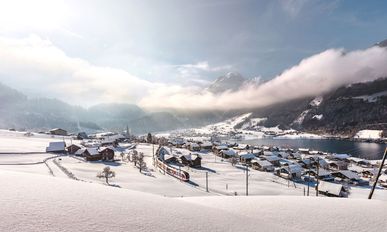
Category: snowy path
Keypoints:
(57, 172)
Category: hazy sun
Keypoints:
(32, 14)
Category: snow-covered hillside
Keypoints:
(39, 203)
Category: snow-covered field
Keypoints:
(32, 202)
(37, 195)
(369, 134)
(240, 127)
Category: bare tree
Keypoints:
(107, 173)
(135, 157)
(141, 162)
(233, 161)
(122, 156)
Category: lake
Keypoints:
(356, 149)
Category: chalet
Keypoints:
(227, 153)
(338, 165)
(369, 173)
(343, 157)
(303, 150)
(285, 162)
(206, 146)
(262, 165)
(275, 160)
(193, 147)
(305, 163)
(283, 154)
(90, 154)
(107, 153)
(177, 142)
(346, 175)
(361, 162)
(323, 163)
(109, 142)
(266, 148)
(82, 135)
(56, 147)
(293, 171)
(242, 147)
(246, 158)
(192, 160)
(331, 189)
(322, 174)
(256, 152)
(294, 155)
(270, 153)
(218, 149)
(72, 148)
(58, 131)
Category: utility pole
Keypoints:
(309, 176)
(377, 177)
(318, 174)
(247, 180)
(206, 181)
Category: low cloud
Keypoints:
(313, 76)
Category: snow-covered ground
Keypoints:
(38, 195)
(39, 203)
(240, 127)
(369, 134)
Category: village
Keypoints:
(196, 168)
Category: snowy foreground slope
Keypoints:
(31, 202)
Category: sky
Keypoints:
(163, 53)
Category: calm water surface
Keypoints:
(356, 149)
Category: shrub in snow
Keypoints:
(107, 173)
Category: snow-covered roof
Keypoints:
(192, 156)
(80, 151)
(104, 148)
(229, 152)
(340, 156)
(270, 153)
(296, 155)
(271, 158)
(221, 147)
(92, 151)
(349, 174)
(262, 163)
(294, 168)
(331, 188)
(247, 156)
(206, 144)
(283, 154)
(321, 172)
(194, 145)
(56, 146)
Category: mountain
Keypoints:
(231, 81)
(382, 43)
(20, 112)
(343, 111)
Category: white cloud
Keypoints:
(311, 77)
(36, 63)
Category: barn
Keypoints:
(192, 160)
(107, 153)
(58, 131)
(56, 147)
(262, 165)
(331, 189)
(72, 148)
(90, 154)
